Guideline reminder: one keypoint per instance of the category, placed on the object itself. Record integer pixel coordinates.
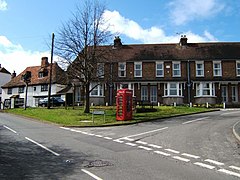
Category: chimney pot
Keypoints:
(183, 40)
(13, 75)
(117, 42)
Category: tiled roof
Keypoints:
(3, 70)
(192, 51)
(58, 76)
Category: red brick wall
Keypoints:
(228, 69)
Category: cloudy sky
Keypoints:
(27, 25)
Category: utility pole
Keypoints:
(50, 75)
(189, 84)
(27, 79)
(25, 102)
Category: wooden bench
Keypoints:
(145, 103)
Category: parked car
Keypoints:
(54, 101)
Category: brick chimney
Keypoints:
(183, 40)
(117, 42)
(44, 62)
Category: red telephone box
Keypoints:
(124, 104)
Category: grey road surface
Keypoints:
(193, 147)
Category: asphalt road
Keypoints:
(200, 146)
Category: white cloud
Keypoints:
(3, 5)
(13, 57)
(118, 24)
(209, 36)
(4, 41)
(183, 11)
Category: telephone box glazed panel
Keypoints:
(124, 104)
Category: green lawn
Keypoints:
(76, 117)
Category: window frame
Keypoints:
(77, 93)
(178, 88)
(99, 89)
(9, 90)
(40, 75)
(159, 69)
(201, 88)
(138, 70)
(153, 93)
(234, 90)
(44, 87)
(199, 69)
(120, 70)
(238, 68)
(100, 70)
(21, 89)
(144, 93)
(176, 70)
(224, 93)
(219, 69)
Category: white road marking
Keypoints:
(181, 159)
(145, 133)
(199, 119)
(173, 151)
(155, 146)
(126, 138)
(10, 129)
(49, 150)
(204, 165)
(162, 153)
(65, 128)
(98, 135)
(118, 140)
(235, 167)
(214, 162)
(109, 138)
(229, 172)
(145, 148)
(91, 174)
(74, 130)
(84, 133)
(90, 134)
(141, 142)
(191, 156)
(130, 144)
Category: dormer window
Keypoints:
(43, 73)
(40, 74)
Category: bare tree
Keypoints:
(78, 44)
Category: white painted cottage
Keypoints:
(13, 92)
(5, 76)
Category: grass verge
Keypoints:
(76, 117)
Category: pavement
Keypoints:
(236, 130)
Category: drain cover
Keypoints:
(98, 163)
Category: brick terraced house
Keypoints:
(14, 91)
(172, 73)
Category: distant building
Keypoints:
(14, 91)
(5, 76)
